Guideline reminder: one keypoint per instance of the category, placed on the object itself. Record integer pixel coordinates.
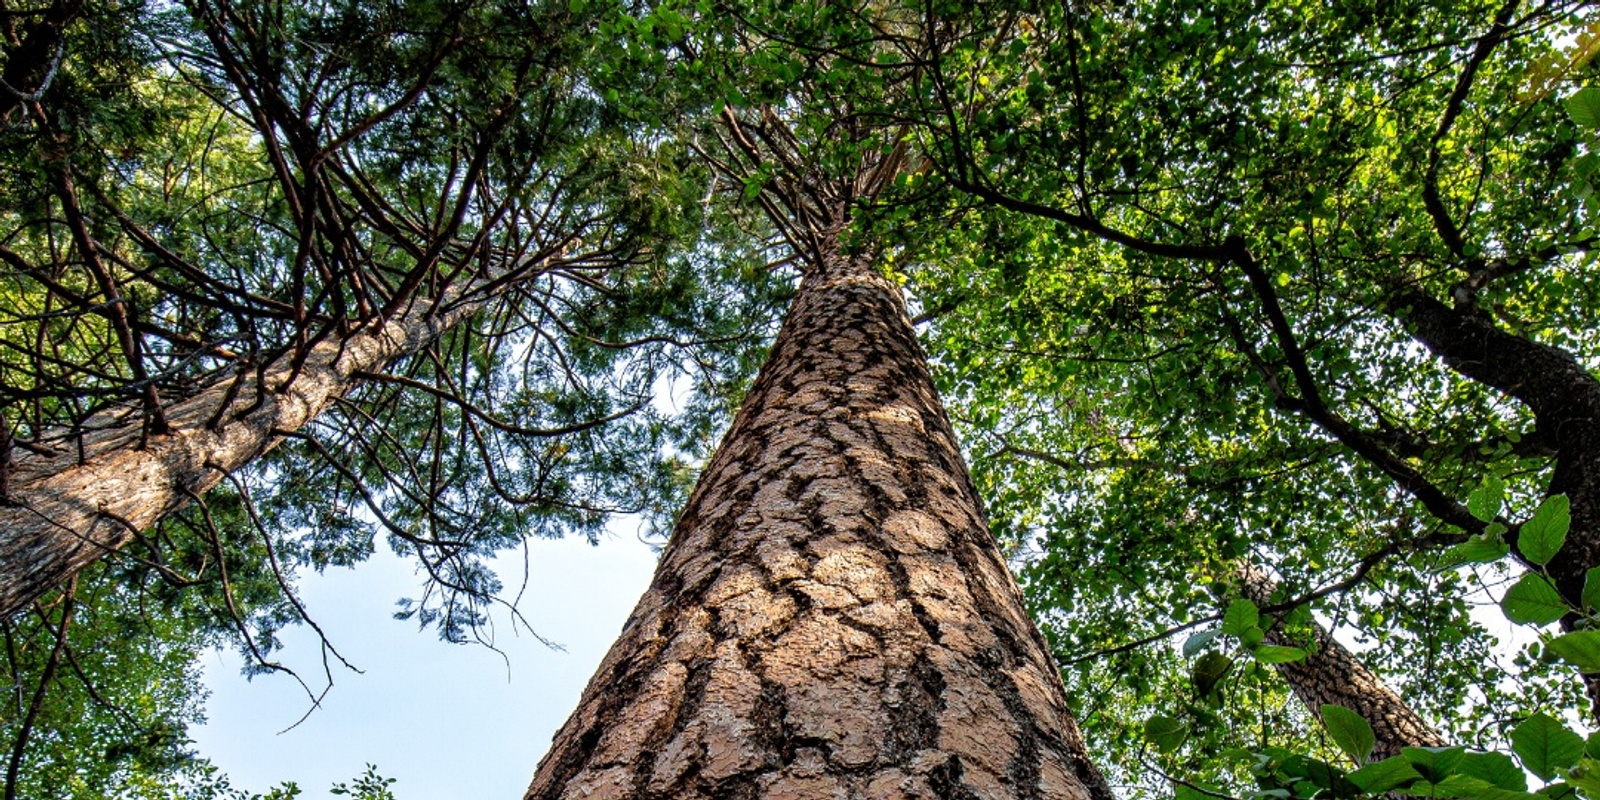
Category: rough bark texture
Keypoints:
(101, 486)
(1333, 675)
(832, 618)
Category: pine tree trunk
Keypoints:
(1332, 675)
(832, 618)
(110, 481)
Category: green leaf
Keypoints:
(1581, 649)
(1533, 601)
(1591, 590)
(1197, 642)
(1584, 776)
(1381, 776)
(1584, 107)
(1480, 549)
(1350, 731)
(1496, 768)
(1459, 785)
(1277, 654)
(1485, 501)
(1592, 745)
(1545, 745)
(1252, 636)
(1435, 763)
(1182, 792)
(1543, 534)
(1209, 671)
(1241, 616)
(1165, 733)
(1560, 790)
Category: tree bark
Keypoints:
(1332, 675)
(832, 617)
(108, 481)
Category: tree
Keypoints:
(1368, 235)
(831, 617)
(1254, 279)
(334, 264)
(275, 214)
(1330, 675)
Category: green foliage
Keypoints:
(1533, 601)
(1545, 746)
(369, 786)
(1173, 258)
(1542, 535)
(1578, 648)
(256, 178)
(1349, 731)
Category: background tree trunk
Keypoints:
(1333, 675)
(832, 617)
(108, 481)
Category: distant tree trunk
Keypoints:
(109, 481)
(1333, 675)
(832, 618)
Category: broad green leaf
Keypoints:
(1542, 535)
(1533, 601)
(1584, 107)
(1319, 773)
(1560, 790)
(1165, 733)
(1252, 636)
(1496, 768)
(1581, 649)
(1435, 763)
(1459, 785)
(1485, 501)
(1209, 670)
(1240, 617)
(1545, 745)
(1586, 778)
(1277, 654)
(1182, 792)
(1381, 776)
(1497, 793)
(1197, 642)
(1591, 590)
(1480, 549)
(1350, 731)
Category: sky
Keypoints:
(446, 721)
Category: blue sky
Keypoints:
(446, 721)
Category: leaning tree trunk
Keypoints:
(1332, 675)
(832, 618)
(108, 481)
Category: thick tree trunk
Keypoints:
(832, 618)
(109, 482)
(1333, 675)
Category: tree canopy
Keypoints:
(1211, 289)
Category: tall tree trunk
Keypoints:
(1332, 675)
(109, 481)
(832, 618)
